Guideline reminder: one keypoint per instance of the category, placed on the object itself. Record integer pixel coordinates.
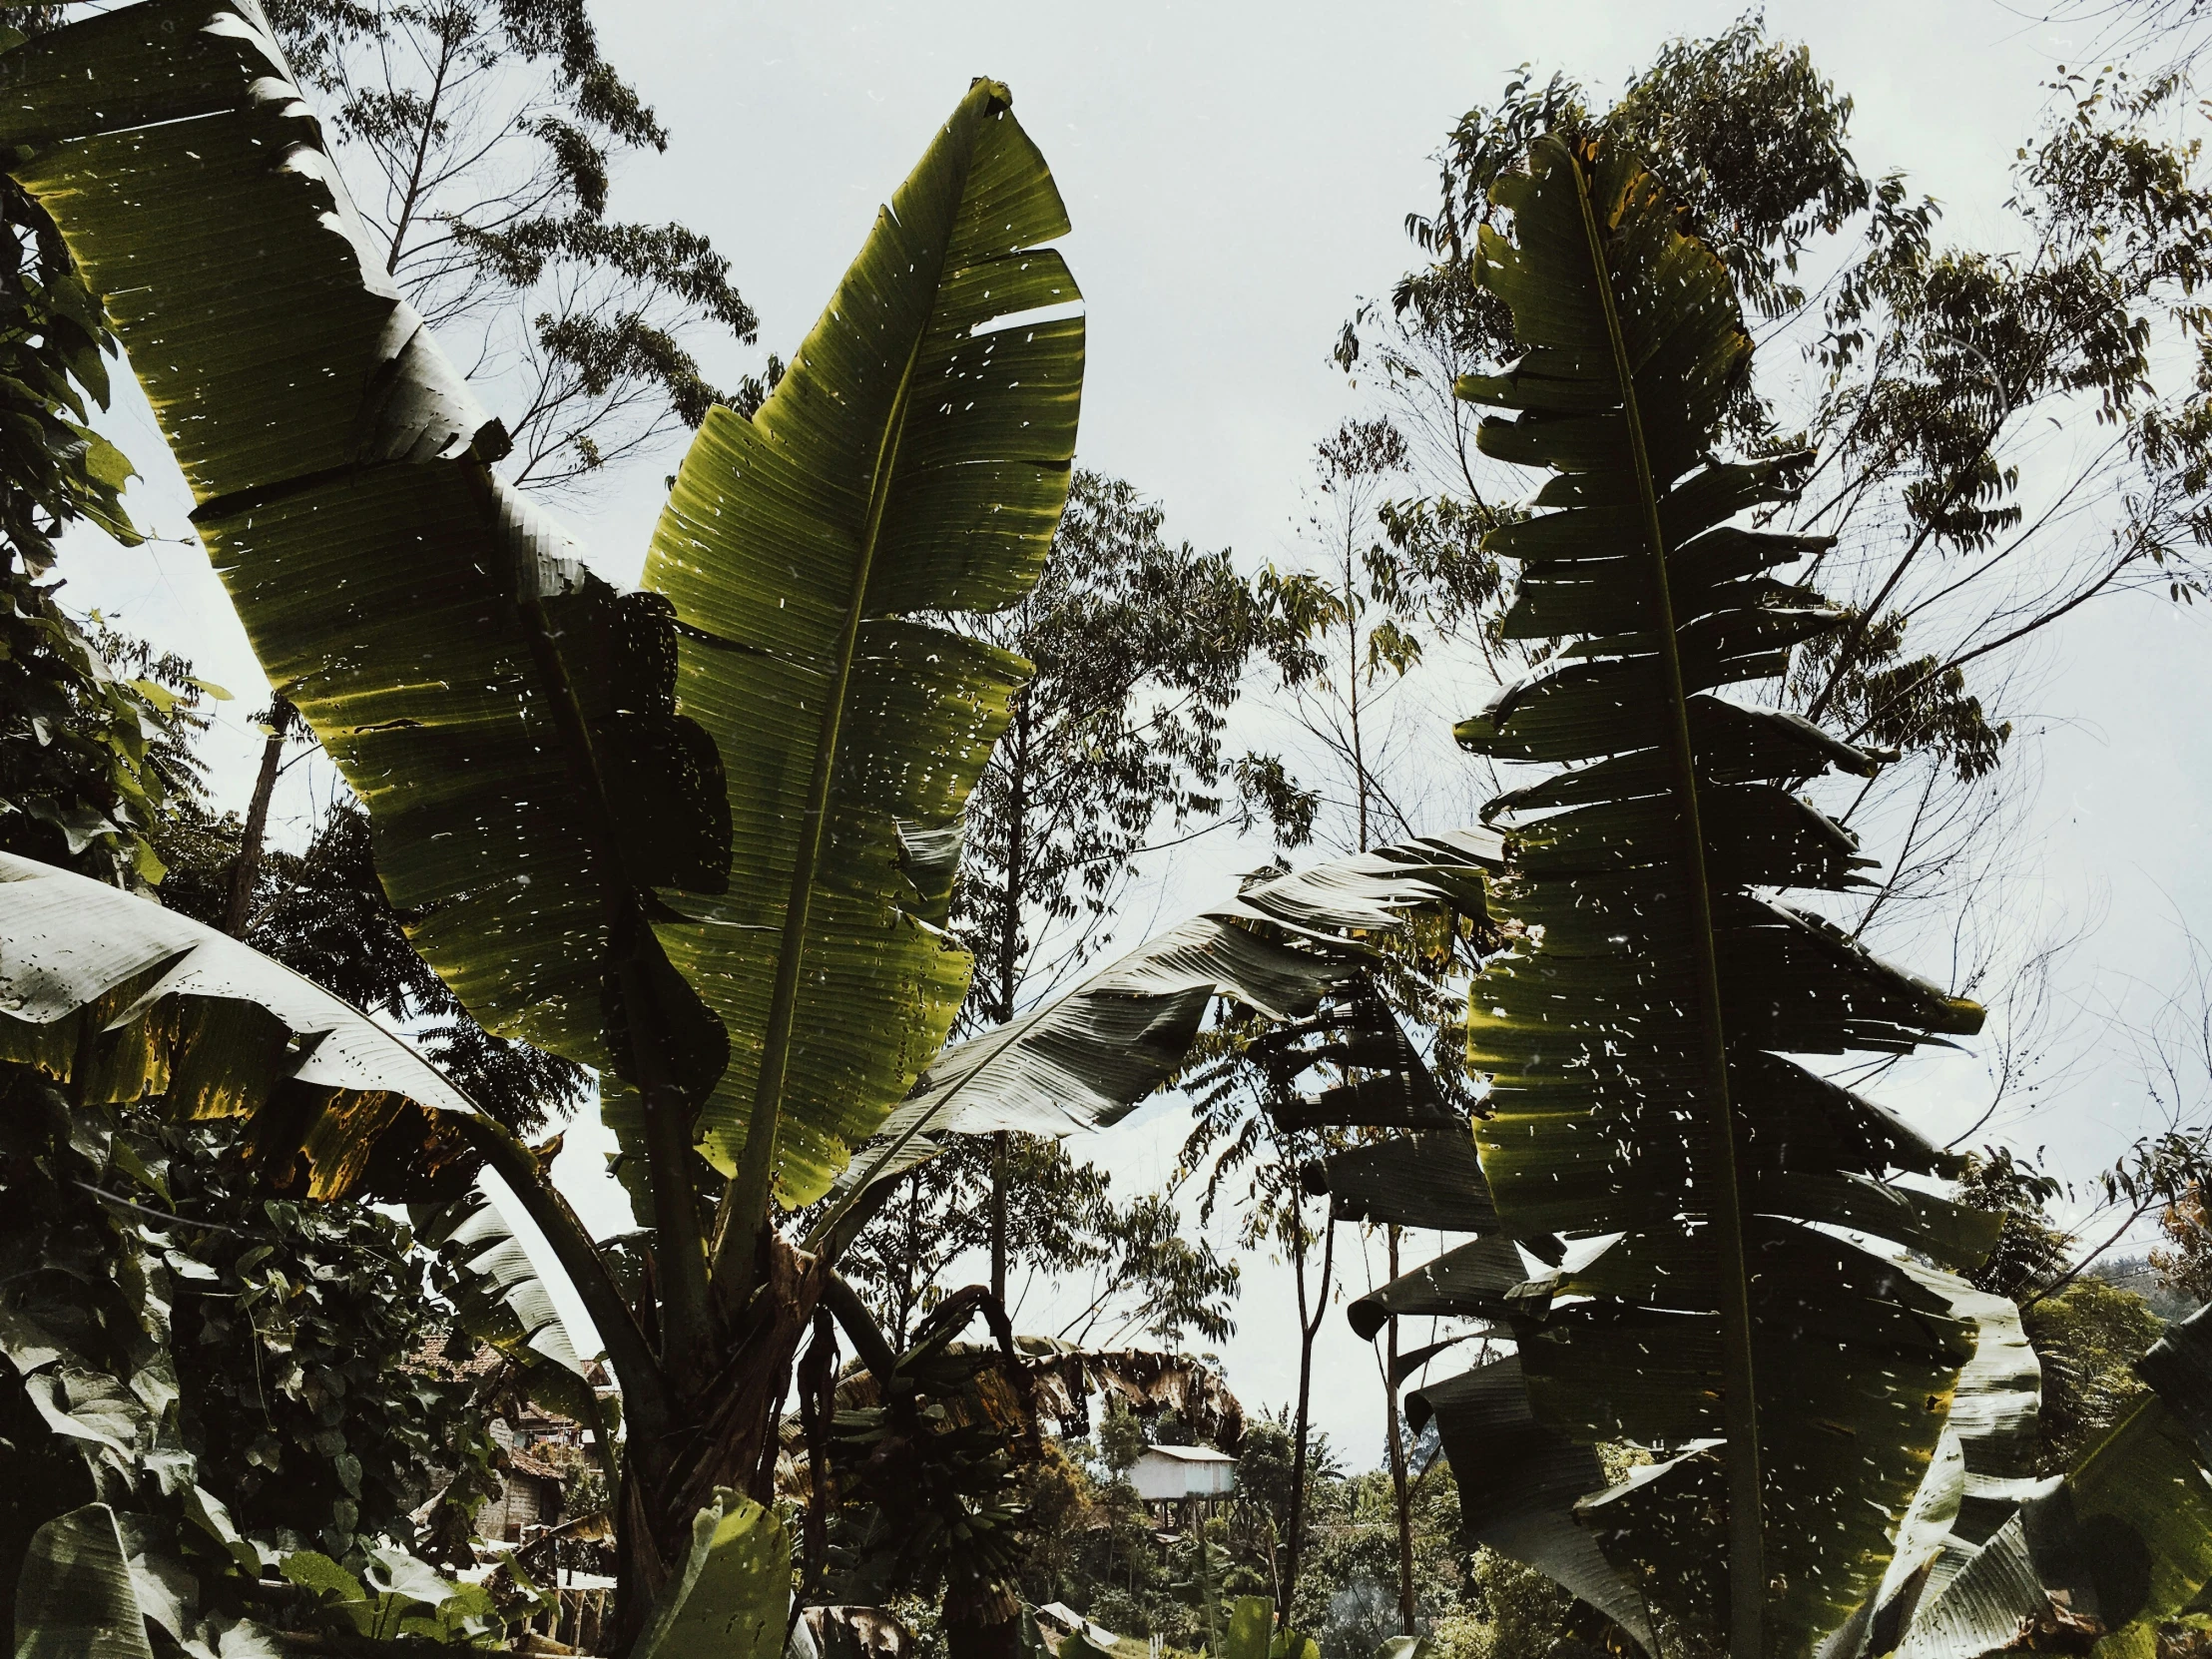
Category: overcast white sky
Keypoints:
(1236, 174)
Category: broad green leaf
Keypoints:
(74, 1599)
(732, 1596)
(913, 462)
(506, 717)
(125, 1000)
(1250, 1626)
(2122, 1542)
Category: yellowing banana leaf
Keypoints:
(122, 1000)
(506, 717)
(913, 462)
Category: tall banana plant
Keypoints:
(552, 777)
(701, 836)
(1710, 1206)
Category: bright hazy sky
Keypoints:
(1237, 176)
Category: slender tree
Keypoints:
(1113, 747)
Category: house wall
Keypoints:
(1167, 1479)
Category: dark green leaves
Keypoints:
(505, 716)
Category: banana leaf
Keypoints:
(1087, 1058)
(1653, 988)
(77, 1599)
(2105, 1553)
(120, 1001)
(499, 1298)
(731, 1596)
(912, 464)
(506, 717)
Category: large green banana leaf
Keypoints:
(122, 1000)
(1087, 1057)
(731, 1597)
(506, 717)
(1651, 987)
(912, 461)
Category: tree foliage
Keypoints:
(242, 1377)
(1149, 1284)
(1139, 649)
(482, 139)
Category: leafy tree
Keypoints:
(1348, 623)
(1062, 1222)
(1929, 373)
(1138, 651)
(1240, 1144)
(2090, 1336)
(1121, 1438)
(481, 139)
(1138, 648)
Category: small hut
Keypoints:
(1179, 1483)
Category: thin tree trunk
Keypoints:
(1352, 696)
(1309, 1317)
(238, 903)
(1401, 1490)
(1009, 942)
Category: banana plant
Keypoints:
(699, 836)
(1709, 1211)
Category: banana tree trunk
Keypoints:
(724, 1434)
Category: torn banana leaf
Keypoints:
(506, 717)
(1086, 1058)
(1654, 988)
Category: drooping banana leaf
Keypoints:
(912, 461)
(1983, 1468)
(506, 717)
(2122, 1542)
(1652, 984)
(118, 999)
(1086, 1058)
(499, 1297)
